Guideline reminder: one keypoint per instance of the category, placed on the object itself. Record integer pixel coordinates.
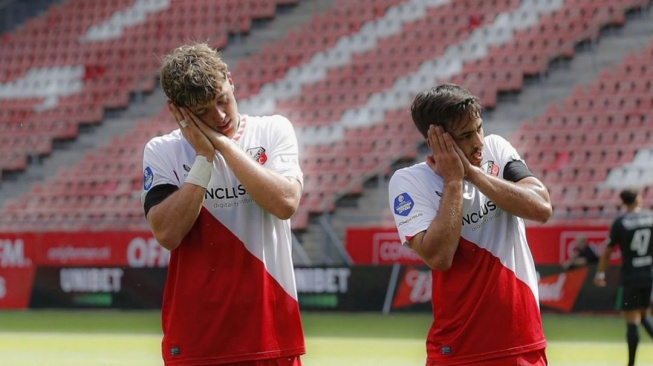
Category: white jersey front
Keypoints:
(492, 284)
(230, 294)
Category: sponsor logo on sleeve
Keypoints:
(403, 204)
(148, 178)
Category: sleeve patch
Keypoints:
(148, 178)
(403, 204)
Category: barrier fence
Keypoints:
(127, 271)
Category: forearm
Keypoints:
(275, 193)
(599, 276)
(604, 260)
(440, 241)
(171, 219)
(527, 199)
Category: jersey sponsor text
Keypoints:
(475, 217)
(222, 193)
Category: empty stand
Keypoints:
(359, 96)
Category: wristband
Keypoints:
(600, 275)
(200, 173)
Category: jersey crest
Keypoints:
(258, 153)
(491, 168)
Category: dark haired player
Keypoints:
(632, 233)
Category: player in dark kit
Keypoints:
(632, 233)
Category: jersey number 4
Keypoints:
(639, 244)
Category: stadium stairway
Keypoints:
(563, 74)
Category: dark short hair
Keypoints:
(445, 105)
(628, 196)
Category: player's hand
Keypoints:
(599, 280)
(188, 126)
(468, 168)
(444, 159)
(217, 139)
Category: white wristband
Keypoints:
(600, 275)
(200, 173)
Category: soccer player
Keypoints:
(218, 192)
(462, 211)
(631, 232)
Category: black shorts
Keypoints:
(634, 297)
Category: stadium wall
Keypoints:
(127, 270)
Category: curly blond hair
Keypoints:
(193, 75)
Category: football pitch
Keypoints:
(130, 338)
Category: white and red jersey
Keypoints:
(230, 292)
(486, 305)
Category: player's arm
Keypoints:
(272, 191)
(171, 214)
(604, 259)
(518, 192)
(527, 197)
(275, 193)
(438, 244)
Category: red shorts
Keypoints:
(283, 361)
(533, 358)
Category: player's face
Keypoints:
(221, 114)
(469, 138)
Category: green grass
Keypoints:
(129, 338)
